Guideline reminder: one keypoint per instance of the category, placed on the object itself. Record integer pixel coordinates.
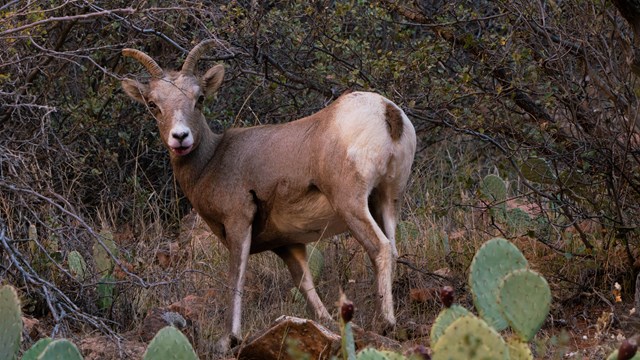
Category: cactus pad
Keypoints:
(105, 290)
(446, 318)
(517, 219)
(519, 350)
(170, 343)
(34, 352)
(10, 323)
(470, 338)
(103, 261)
(494, 260)
(524, 298)
(77, 265)
(537, 170)
(373, 354)
(493, 188)
(61, 349)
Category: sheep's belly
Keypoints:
(308, 219)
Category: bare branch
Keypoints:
(68, 18)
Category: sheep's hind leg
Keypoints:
(369, 234)
(295, 257)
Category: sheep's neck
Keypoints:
(189, 169)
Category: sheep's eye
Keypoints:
(200, 100)
(152, 105)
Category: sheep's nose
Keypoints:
(180, 135)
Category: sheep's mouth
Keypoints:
(182, 150)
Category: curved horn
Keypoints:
(194, 55)
(152, 67)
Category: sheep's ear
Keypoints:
(212, 80)
(135, 90)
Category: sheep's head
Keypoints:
(176, 98)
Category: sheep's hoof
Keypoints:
(387, 328)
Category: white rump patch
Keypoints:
(364, 130)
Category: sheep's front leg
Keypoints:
(239, 243)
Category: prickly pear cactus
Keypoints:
(517, 219)
(346, 333)
(34, 352)
(446, 317)
(537, 170)
(614, 356)
(524, 298)
(519, 350)
(493, 188)
(494, 260)
(470, 338)
(170, 343)
(77, 265)
(103, 262)
(10, 323)
(628, 350)
(494, 191)
(61, 349)
(373, 354)
(105, 291)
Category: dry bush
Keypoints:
(488, 85)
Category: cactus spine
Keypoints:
(10, 323)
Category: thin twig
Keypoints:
(67, 18)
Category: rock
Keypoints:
(276, 342)
(192, 306)
(415, 330)
(365, 339)
(444, 272)
(104, 348)
(157, 318)
(169, 255)
(31, 328)
(423, 295)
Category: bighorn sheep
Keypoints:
(279, 187)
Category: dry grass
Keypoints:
(443, 223)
